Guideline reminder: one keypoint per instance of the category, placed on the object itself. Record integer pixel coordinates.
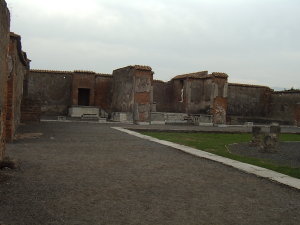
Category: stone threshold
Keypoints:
(247, 168)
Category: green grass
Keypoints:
(216, 143)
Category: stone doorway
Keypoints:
(84, 96)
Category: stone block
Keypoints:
(269, 143)
(79, 111)
(275, 130)
(256, 136)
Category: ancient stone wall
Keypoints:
(18, 66)
(162, 96)
(179, 95)
(132, 92)
(198, 93)
(297, 114)
(52, 89)
(284, 107)
(198, 96)
(103, 92)
(248, 100)
(83, 79)
(4, 45)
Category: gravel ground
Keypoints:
(288, 153)
(86, 174)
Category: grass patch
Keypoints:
(216, 143)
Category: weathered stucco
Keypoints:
(52, 89)
(132, 92)
(284, 107)
(4, 45)
(248, 100)
(123, 92)
(162, 96)
(103, 94)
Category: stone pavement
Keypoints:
(88, 173)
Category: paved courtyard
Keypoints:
(86, 174)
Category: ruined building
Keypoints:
(129, 94)
(13, 68)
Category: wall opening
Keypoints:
(84, 96)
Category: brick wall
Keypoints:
(30, 110)
(50, 89)
(103, 92)
(18, 66)
(143, 99)
(162, 96)
(86, 80)
(284, 107)
(248, 100)
(4, 44)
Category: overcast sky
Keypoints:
(253, 41)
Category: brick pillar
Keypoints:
(219, 97)
(143, 77)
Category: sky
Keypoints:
(253, 41)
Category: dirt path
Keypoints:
(86, 174)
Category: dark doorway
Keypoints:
(84, 96)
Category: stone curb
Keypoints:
(248, 168)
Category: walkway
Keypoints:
(86, 174)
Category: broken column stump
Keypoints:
(270, 141)
(256, 136)
(267, 141)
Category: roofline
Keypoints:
(249, 85)
(70, 72)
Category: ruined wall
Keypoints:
(248, 100)
(132, 92)
(52, 89)
(162, 96)
(103, 92)
(18, 66)
(199, 96)
(4, 43)
(200, 93)
(284, 107)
